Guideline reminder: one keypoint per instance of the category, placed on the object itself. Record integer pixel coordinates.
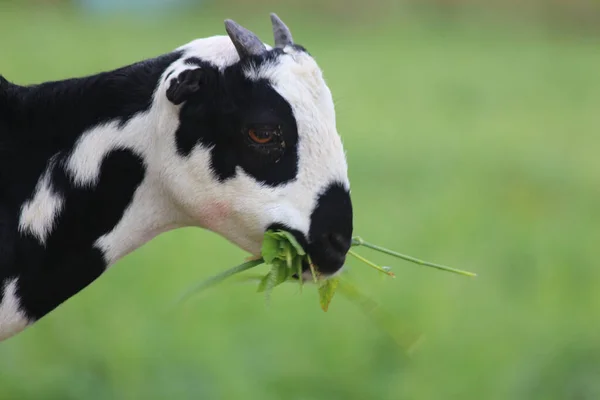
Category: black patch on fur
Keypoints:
(8, 227)
(331, 229)
(299, 48)
(50, 274)
(218, 115)
(74, 105)
(40, 123)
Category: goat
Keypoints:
(225, 133)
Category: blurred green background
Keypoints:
(472, 130)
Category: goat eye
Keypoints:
(261, 136)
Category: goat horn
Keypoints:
(245, 42)
(283, 36)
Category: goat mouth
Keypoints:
(299, 236)
(307, 273)
(327, 260)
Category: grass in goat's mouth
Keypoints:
(284, 256)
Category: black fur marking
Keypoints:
(68, 262)
(331, 229)
(4, 88)
(218, 115)
(300, 48)
(42, 122)
(7, 246)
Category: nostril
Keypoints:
(329, 251)
(338, 242)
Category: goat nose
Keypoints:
(330, 233)
(337, 242)
(329, 252)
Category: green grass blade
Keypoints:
(360, 242)
(219, 278)
(312, 270)
(298, 262)
(371, 264)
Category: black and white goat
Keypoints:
(225, 133)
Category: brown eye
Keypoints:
(261, 136)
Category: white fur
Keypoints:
(217, 50)
(12, 320)
(149, 215)
(39, 214)
(85, 161)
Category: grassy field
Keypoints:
(472, 143)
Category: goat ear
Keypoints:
(185, 84)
